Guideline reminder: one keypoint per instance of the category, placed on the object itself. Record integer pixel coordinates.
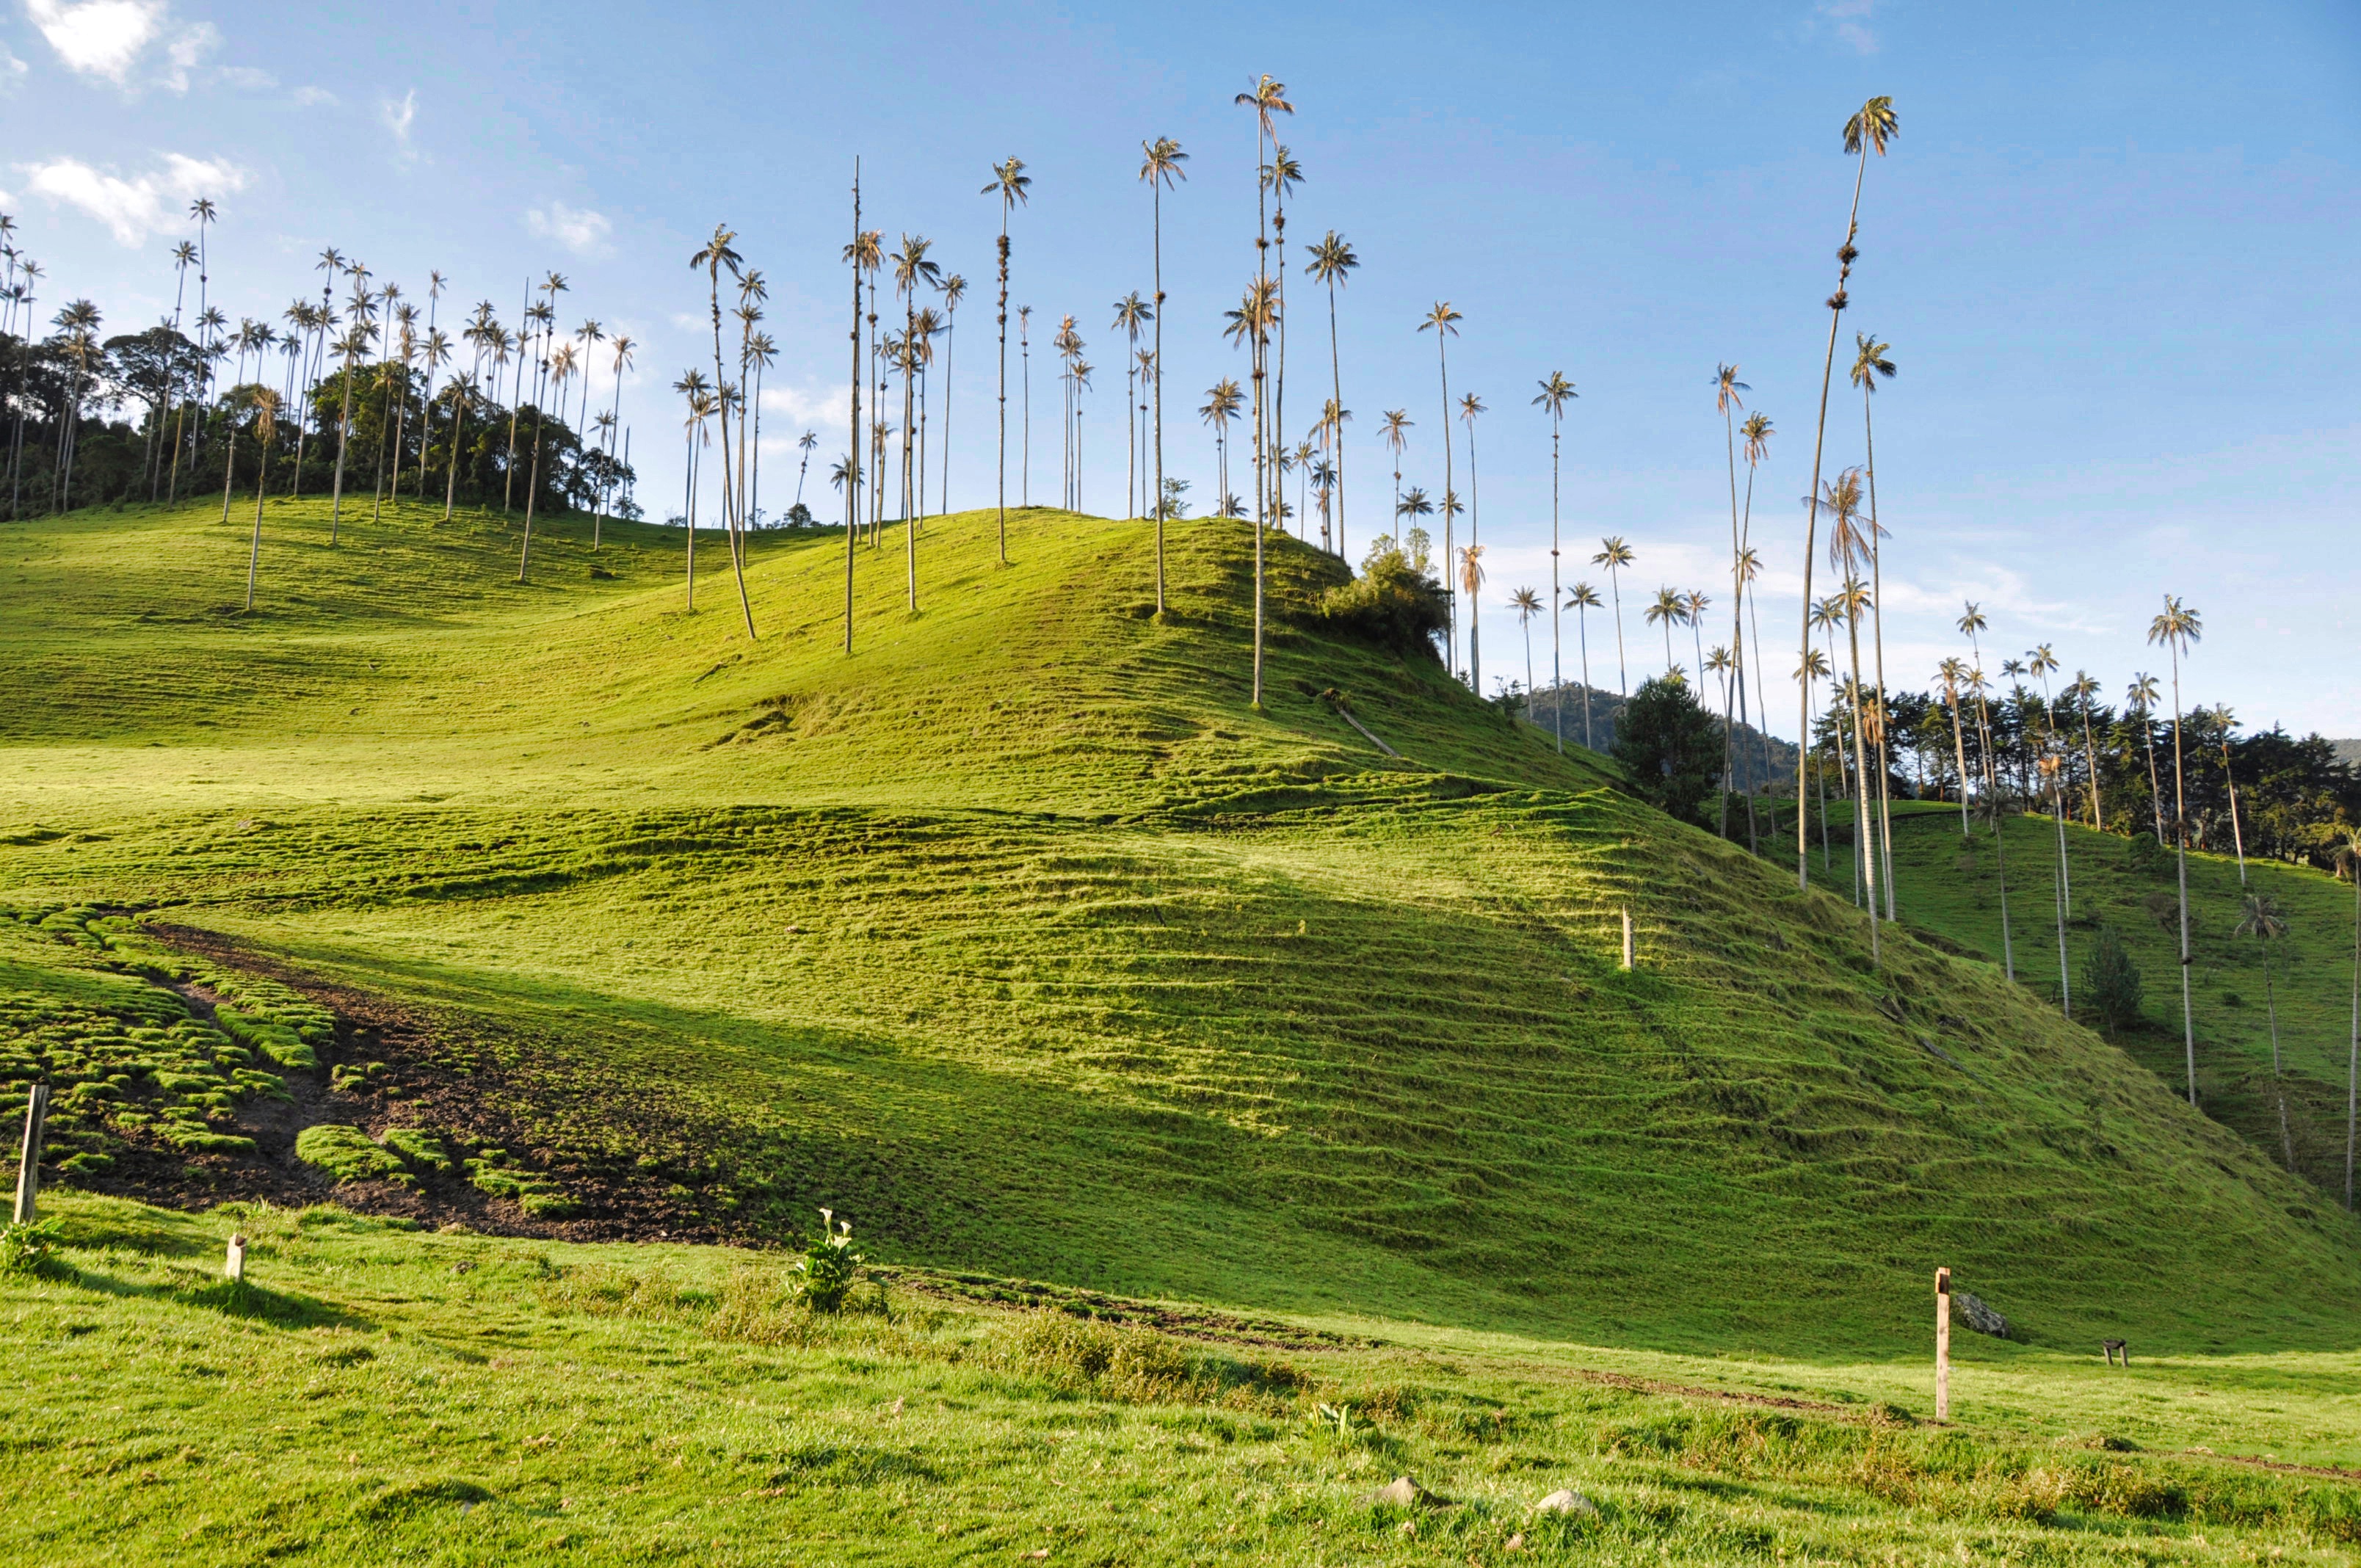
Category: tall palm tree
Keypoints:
(2267, 923)
(711, 258)
(911, 269)
(2042, 663)
(1670, 610)
(1873, 125)
(954, 291)
(184, 255)
(1332, 265)
(1252, 321)
(1131, 314)
(1160, 167)
(856, 255)
(2350, 852)
(1614, 555)
(1527, 604)
(1471, 577)
(1443, 322)
(1728, 403)
(2085, 687)
(1268, 99)
(805, 443)
(1869, 365)
(80, 323)
(1223, 400)
(355, 345)
(1012, 185)
(267, 405)
(2140, 701)
(1024, 456)
(1470, 405)
(1952, 671)
(698, 397)
(2178, 628)
(1415, 505)
(1973, 625)
(1811, 669)
(1694, 605)
(1282, 174)
(1992, 809)
(202, 212)
(1556, 393)
(1585, 598)
(1395, 433)
(1758, 432)
(1850, 529)
(623, 347)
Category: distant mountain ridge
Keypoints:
(2348, 752)
(1747, 761)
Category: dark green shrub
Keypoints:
(1670, 747)
(829, 1266)
(1392, 604)
(2111, 982)
(31, 1249)
(2144, 853)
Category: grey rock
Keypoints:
(1565, 1502)
(1404, 1493)
(1977, 1315)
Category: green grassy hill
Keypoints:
(1955, 894)
(1021, 936)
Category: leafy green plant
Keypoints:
(32, 1249)
(346, 1154)
(1671, 746)
(829, 1266)
(1392, 604)
(2111, 982)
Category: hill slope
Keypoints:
(1020, 935)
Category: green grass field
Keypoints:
(1020, 937)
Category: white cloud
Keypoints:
(106, 38)
(135, 208)
(797, 409)
(12, 70)
(1849, 20)
(579, 230)
(398, 117)
(250, 78)
(307, 97)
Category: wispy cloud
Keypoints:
(1848, 19)
(308, 97)
(12, 70)
(135, 208)
(398, 116)
(579, 230)
(106, 38)
(796, 408)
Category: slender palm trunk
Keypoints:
(2353, 1051)
(1877, 627)
(1812, 499)
(1451, 626)
(1155, 373)
(253, 550)
(2007, 938)
(343, 439)
(2181, 846)
(852, 446)
(1582, 631)
(2154, 790)
(1474, 623)
(458, 434)
(1959, 752)
(1002, 491)
(1737, 680)
(688, 511)
(2271, 998)
(1622, 669)
(910, 412)
(1557, 674)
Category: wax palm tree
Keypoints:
(356, 344)
(1614, 555)
(1849, 534)
(1160, 167)
(1527, 604)
(1395, 433)
(1332, 265)
(697, 398)
(1973, 625)
(1470, 405)
(911, 269)
(1870, 364)
(1585, 598)
(79, 321)
(954, 291)
(267, 405)
(1952, 672)
(622, 348)
(1131, 314)
(1671, 609)
(1555, 394)
(2267, 923)
(1694, 605)
(2179, 629)
(1223, 400)
(1873, 125)
(1443, 320)
(1756, 428)
(184, 255)
(2349, 857)
(1728, 403)
(1812, 668)
(710, 258)
(1990, 809)
(805, 443)
(1253, 321)
(2140, 699)
(1268, 99)
(1471, 577)
(2041, 663)
(1011, 184)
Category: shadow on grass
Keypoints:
(230, 1298)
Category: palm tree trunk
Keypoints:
(1451, 619)
(1557, 673)
(1864, 837)
(1475, 623)
(1155, 190)
(1582, 631)
(344, 439)
(2271, 997)
(254, 550)
(2181, 844)
(688, 511)
(1812, 498)
(2000, 860)
(1737, 622)
(1622, 669)
(1877, 627)
(1002, 491)
(909, 407)
(2352, 1052)
(1959, 752)
(853, 448)
(458, 434)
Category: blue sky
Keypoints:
(2112, 249)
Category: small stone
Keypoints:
(1515, 1542)
(1978, 1316)
(1404, 1493)
(1565, 1502)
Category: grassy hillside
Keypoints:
(2311, 969)
(1019, 936)
(377, 1392)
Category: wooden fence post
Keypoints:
(28, 1164)
(1942, 1344)
(234, 1268)
(1626, 938)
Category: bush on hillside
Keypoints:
(829, 1266)
(2111, 982)
(2143, 853)
(1671, 746)
(1392, 604)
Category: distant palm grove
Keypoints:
(359, 390)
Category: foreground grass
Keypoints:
(1020, 935)
(378, 1393)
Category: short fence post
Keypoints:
(1626, 938)
(235, 1266)
(1942, 1344)
(28, 1164)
